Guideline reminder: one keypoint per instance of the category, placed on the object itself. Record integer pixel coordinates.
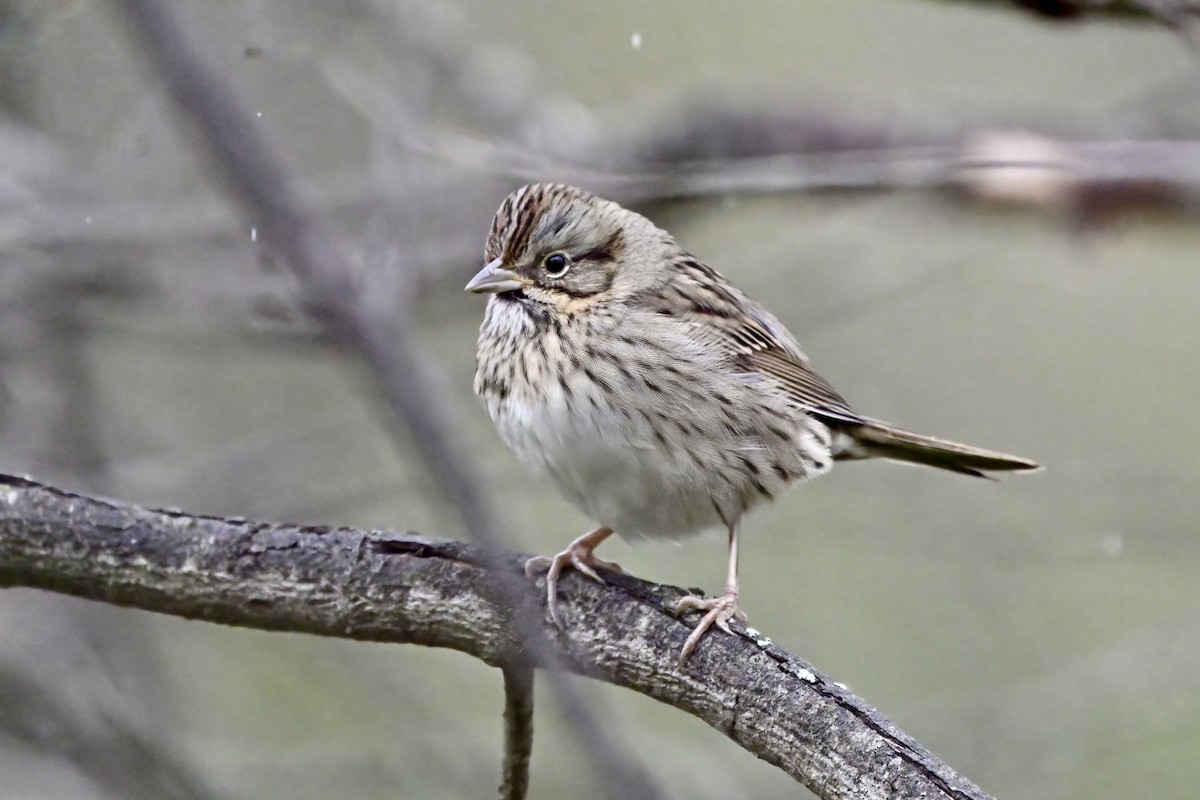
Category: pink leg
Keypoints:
(719, 609)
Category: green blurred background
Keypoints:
(1040, 634)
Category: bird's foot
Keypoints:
(579, 554)
(719, 610)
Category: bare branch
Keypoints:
(402, 587)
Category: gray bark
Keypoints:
(392, 586)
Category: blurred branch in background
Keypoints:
(113, 754)
(1180, 16)
(708, 149)
(356, 314)
(119, 213)
(402, 587)
(1088, 9)
(712, 153)
(1089, 181)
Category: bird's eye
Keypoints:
(556, 265)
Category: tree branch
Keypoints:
(518, 732)
(402, 587)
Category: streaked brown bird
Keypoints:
(659, 398)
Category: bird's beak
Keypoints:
(495, 279)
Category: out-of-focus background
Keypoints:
(1041, 634)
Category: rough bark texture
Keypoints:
(402, 587)
(518, 732)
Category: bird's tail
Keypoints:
(873, 438)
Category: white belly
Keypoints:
(618, 472)
(611, 469)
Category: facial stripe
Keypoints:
(607, 251)
(579, 294)
(529, 207)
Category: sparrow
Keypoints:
(659, 398)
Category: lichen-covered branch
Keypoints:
(402, 587)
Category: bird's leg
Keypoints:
(719, 609)
(579, 554)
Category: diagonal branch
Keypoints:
(403, 587)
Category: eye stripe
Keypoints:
(579, 294)
(607, 251)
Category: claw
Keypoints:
(536, 564)
(579, 555)
(719, 610)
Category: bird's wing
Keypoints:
(717, 315)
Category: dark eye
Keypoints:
(556, 265)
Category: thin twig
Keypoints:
(354, 317)
(518, 732)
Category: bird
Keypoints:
(660, 399)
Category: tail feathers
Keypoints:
(879, 439)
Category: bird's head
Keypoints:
(569, 249)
